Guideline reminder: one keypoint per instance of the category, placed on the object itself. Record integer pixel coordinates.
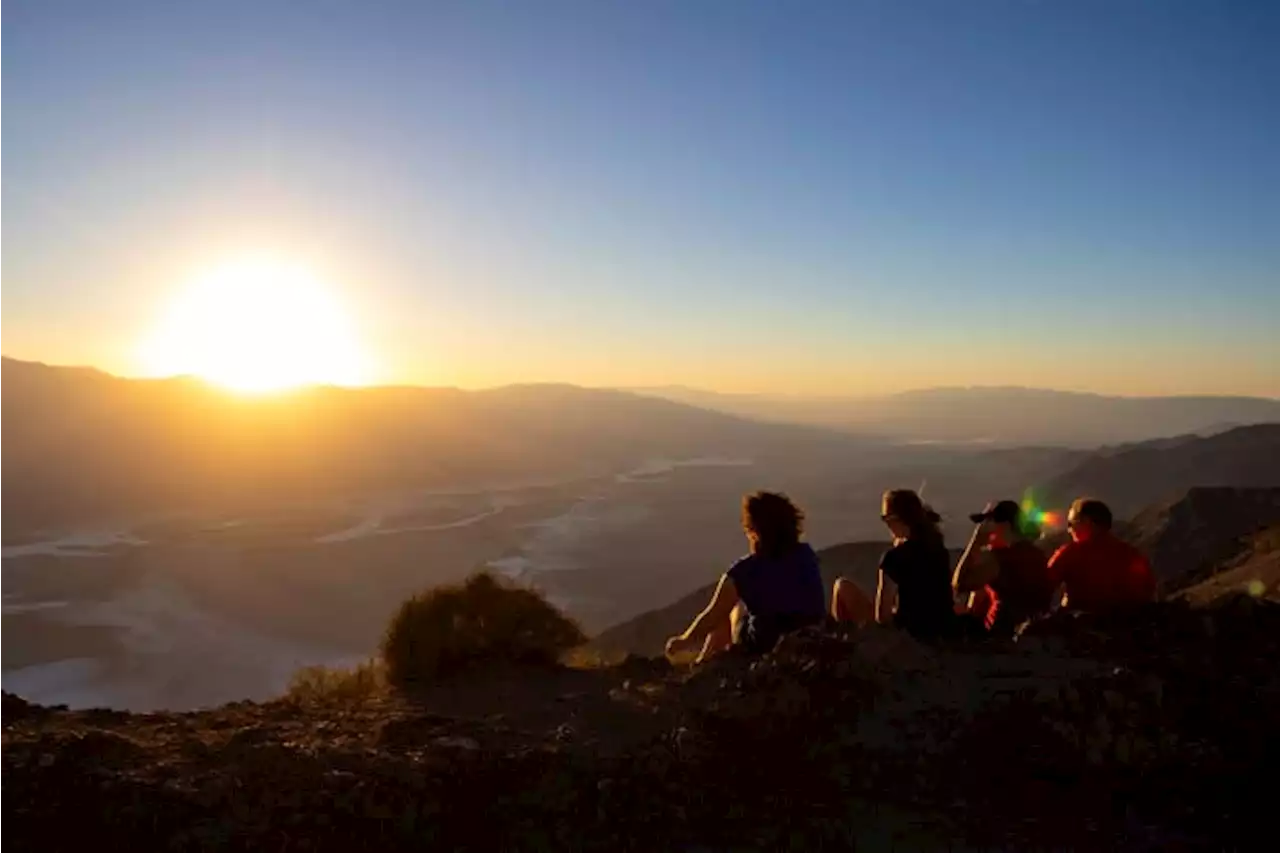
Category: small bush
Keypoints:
(323, 682)
(483, 620)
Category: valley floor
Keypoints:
(113, 616)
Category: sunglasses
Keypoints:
(887, 516)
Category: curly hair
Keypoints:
(776, 522)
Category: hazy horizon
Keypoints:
(673, 389)
(836, 199)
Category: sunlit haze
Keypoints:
(837, 198)
(256, 324)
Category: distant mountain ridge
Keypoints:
(1255, 570)
(80, 444)
(1131, 477)
(996, 414)
(1193, 537)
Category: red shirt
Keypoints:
(1102, 572)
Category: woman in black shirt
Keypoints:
(914, 587)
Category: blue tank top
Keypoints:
(781, 593)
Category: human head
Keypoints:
(907, 516)
(1088, 518)
(1004, 517)
(772, 522)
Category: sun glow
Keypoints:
(257, 324)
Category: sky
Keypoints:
(854, 197)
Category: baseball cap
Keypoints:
(1001, 512)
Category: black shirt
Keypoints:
(921, 568)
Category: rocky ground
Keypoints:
(1148, 730)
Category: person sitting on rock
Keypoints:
(774, 590)
(1096, 570)
(914, 584)
(1005, 574)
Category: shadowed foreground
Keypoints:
(1148, 730)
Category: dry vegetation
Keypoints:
(449, 629)
(324, 682)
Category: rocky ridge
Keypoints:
(1145, 730)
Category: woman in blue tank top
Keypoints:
(775, 589)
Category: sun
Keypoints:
(256, 324)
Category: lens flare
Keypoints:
(1038, 519)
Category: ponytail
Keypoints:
(927, 526)
(920, 518)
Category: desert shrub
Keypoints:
(483, 620)
(325, 682)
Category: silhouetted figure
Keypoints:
(1004, 572)
(1096, 570)
(913, 590)
(776, 589)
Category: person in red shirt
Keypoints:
(1004, 572)
(1096, 570)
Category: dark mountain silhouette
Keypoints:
(1255, 571)
(1001, 415)
(647, 633)
(1194, 536)
(1130, 477)
(80, 444)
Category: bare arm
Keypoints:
(886, 599)
(716, 613)
(977, 566)
(1057, 571)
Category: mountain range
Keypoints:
(1255, 569)
(996, 415)
(1202, 533)
(1130, 477)
(80, 444)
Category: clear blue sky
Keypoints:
(842, 197)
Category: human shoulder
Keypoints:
(742, 566)
(894, 556)
(899, 561)
(1065, 554)
(807, 557)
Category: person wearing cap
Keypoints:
(1097, 570)
(1005, 574)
